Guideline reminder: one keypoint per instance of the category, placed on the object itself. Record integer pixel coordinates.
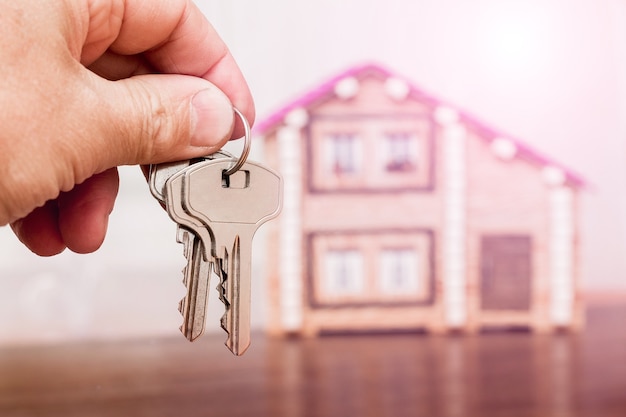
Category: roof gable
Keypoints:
(340, 84)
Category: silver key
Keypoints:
(197, 272)
(233, 207)
(158, 174)
(196, 277)
(176, 208)
(174, 201)
(193, 322)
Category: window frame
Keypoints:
(401, 151)
(406, 259)
(370, 154)
(371, 243)
(349, 259)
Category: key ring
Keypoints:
(246, 145)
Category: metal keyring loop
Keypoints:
(246, 145)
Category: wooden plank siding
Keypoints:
(504, 203)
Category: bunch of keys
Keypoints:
(218, 202)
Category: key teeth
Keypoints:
(183, 237)
(222, 289)
(222, 285)
(223, 294)
(224, 323)
(229, 343)
(224, 319)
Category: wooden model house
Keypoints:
(402, 212)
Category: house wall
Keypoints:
(512, 197)
(498, 196)
(378, 204)
(371, 208)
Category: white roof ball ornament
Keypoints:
(287, 134)
(396, 88)
(347, 88)
(297, 118)
(503, 148)
(445, 115)
(553, 176)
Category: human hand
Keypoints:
(88, 85)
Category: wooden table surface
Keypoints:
(495, 374)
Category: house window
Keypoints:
(343, 153)
(399, 271)
(371, 268)
(402, 153)
(344, 273)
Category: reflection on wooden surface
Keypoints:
(496, 374)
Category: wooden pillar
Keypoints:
(290, 235)
(454, 218)
(562, 281)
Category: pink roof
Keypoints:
(325, 91)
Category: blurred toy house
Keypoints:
(402, 212)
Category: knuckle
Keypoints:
(159, 127)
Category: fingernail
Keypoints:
(212, 118)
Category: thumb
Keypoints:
(160, 117)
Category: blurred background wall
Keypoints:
(552, 73)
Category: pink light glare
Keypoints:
(517, 39)
(551, 73)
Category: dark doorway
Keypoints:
(505, 272)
